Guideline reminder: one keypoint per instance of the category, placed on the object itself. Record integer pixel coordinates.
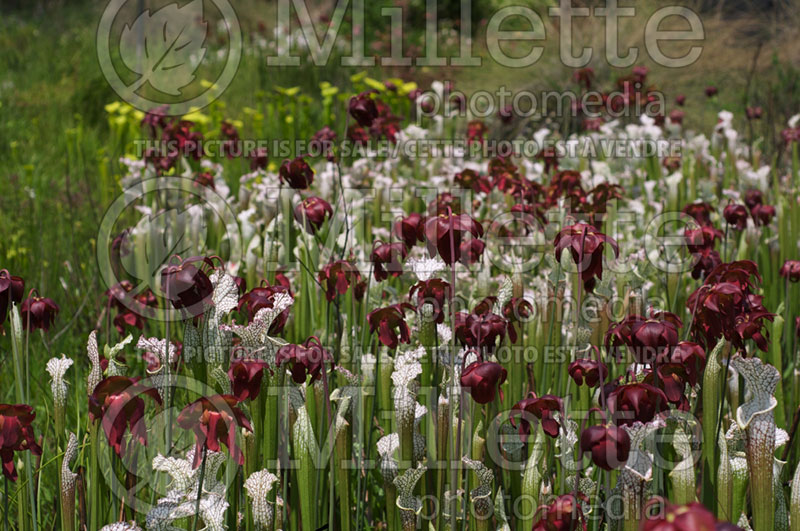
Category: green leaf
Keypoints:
(291, 91)
(375, 84)
(303, 441)
(355, 78)
(329, 92)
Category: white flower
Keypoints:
(96, 372)
(426, 268)
(180, 470)
(255, 335)
(258, 487)
(504, 295)
(758, 178)
(725, 119)
(175, 507)
(566, 442)
(755, 417)
(760, 382)
(480, 495)
(211, 342)
(226, 292)
(115, 368)
(412, 132)
(387, 463)
(608, 128)
(68, 477)
(445, 333)
(408, 504)
(381, 233)
(700, 144)
(407, 367)
(438, 88)
(158, 347)
(180, 501)
(57, 367)
(638, 470)
(303, 432)
(731, 135)
(121, 526)
(540, 136)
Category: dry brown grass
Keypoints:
(738, 48)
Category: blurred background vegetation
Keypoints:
(59, 157)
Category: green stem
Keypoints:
(168, 389)
(531, 480)
(713, 380)
(738, 488)
(370, 403)
(343, 479)
(794, 502)
(5, 502)
(302, 437)
(94, 468)
(789, 331)
(759, 462)
(724, 483)
(329, 437)
(442, 428)
(199, 490)
(16, 348)
(453, 441)
(775, 358)
(391, 507)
